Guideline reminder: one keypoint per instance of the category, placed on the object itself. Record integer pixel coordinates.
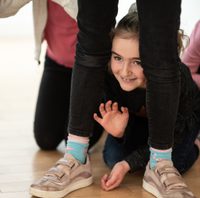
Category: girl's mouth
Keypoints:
(127, 80)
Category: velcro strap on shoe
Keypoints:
(168, 170)
(55, 172)
(174, 182)
(70, 163)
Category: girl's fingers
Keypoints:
(112, 182)
(108, 106)
(97, 118)
(115, 106)
(124, 109)
(102, 109)
(114, 185)
(103, 181)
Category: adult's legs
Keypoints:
(95, 20)
(159, 24)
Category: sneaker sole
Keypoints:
(62, 193)
(149, 188)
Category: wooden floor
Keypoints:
(21, 162)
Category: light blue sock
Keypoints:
(157, 155)
(77, 150)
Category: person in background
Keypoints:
(191, 56)
(126, 148)
(55, 23)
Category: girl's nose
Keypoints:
(125, 69)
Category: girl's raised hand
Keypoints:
(112, 120)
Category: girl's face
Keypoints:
(126, 64)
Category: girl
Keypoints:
(126, 148)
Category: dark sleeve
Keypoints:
(189, 97)
(138, 159)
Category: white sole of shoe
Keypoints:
(149, 188)
(58, 194)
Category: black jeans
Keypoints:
(159, 22)
(51, 115)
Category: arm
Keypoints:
(11, 7)
(138, 159)
(113, 120)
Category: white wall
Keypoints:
(189, 15)
(21, 24)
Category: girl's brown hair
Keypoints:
(183, 41)
(128, 27)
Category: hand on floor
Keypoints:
(114, 179)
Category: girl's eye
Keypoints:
(136, 62)
(117, 58)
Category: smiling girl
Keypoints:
(126, 122)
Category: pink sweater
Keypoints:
(60, 34)
(191, 56)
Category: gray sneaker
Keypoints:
(165, 181)
(66, 176)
